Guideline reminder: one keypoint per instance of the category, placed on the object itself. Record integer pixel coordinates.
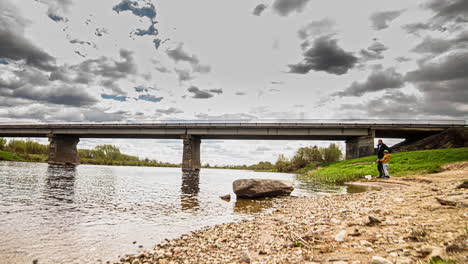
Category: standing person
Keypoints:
(386, 162)
(381, 147)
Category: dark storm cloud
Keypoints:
(216, 91)
(169, 111)
(325, 55)
(451, 67)
(393, 104)
(377, 81)
(317, 28)
(77, 41)
(380, 20)
(101, 31)
(179, 54)
(415, 28)
(107, 67)
(285, 7)
(259, 9)
(442, 83)
(367, 55)
(449, 15)
(13, 44)
(439, 46)
(141, 9)
(34, 85)
(57, 9)
(373, 52)
(454, 10)
(148, 10)
(199, 94)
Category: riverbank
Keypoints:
(410, 220)
(402, 164)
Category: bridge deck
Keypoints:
(236, 129)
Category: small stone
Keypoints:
(245, 258)
(380, 260)
(369, 250)
(365, 243)
(341, 236)
(404, 260)
(393, 254)
(134, 242)
(446, 202)
(36, 261)
(373, 220)
(226, 197)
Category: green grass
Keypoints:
(404, 163)
(9, 156)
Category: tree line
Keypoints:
(304, 157)
(111, 155)
(99, 155)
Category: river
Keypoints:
(90, 214)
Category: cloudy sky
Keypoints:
(143, 60)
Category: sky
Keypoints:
(145, 60)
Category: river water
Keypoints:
(90, 214)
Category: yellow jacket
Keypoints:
(386, 158)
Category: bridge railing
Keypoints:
(410, 122)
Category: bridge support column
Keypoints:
(359, 147)
(191, 154)
(62, 150)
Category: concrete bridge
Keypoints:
(358, 134)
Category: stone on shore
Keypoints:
(257, 188)
(380, 260)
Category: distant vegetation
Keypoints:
(27, 150)
(404, 163)
(304, 158)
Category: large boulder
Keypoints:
(256, 188)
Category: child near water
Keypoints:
(386, 162)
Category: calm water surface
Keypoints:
(90, 213)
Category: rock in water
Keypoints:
(226, 197)
(256, 188)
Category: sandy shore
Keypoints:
(409, 220)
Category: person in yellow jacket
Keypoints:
(386, 162)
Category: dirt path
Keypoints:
(409, 221)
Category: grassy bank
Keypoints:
(9, 156)
(404, 163)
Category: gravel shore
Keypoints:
(410, 220)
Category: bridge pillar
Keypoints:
(62, 150)
(360, 147)
(191, 154)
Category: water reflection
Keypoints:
(190, 188)
(60, 183)
(248, 206)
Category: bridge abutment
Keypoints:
(191, 153)
(62, 150)
(360, 147)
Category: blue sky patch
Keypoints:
(150, 98)
(114, 97)
(3, 61)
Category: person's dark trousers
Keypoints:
(380, 168)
